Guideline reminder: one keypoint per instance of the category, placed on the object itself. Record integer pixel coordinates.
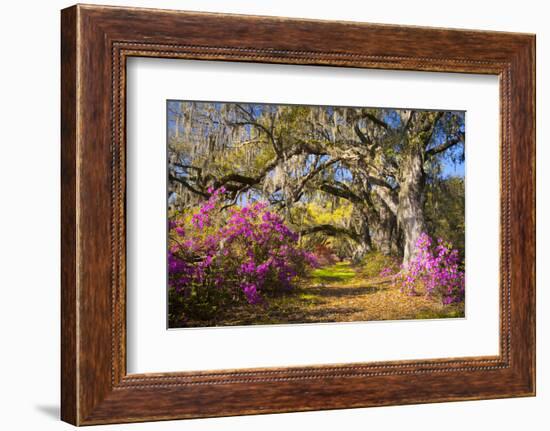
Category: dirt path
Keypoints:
(342, 293)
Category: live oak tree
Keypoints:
(376, 163)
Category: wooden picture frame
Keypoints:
(95, 43)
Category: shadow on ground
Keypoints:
(344, 291)
(52, 411)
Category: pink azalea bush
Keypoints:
(435, 269)
(216, 256)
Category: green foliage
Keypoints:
(326, 213)
(335, 212)
(374, 262)
(445, 211)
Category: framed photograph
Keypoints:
(267, 215)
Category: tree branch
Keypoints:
(378, 182)
(305, 179)
(377, 121)
(238, 178)
(341, 191)
(388, 198)
(451, 142)
(331, 230)
(188, 186)
(362, 137)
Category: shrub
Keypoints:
(216, 257)
(376, 264)
(435, 269)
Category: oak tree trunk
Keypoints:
(411, 213)
(384, 236)
(365, 245)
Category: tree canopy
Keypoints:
(357, 179)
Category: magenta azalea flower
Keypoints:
(247, 249)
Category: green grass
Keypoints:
(307, 296)
(447, 313)
(338, 273)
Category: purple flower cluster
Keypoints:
(242, 249)
(202, 218)
(436, 269)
